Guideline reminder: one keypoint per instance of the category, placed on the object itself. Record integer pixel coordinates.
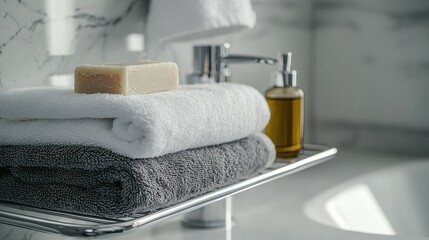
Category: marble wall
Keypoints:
(372, 74)
(42, 41)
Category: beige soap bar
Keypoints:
(143, 77)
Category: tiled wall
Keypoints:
(41, 41)
(372, 74)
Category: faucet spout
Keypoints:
(211, 63)
(235, 58)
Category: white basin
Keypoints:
(391, 201)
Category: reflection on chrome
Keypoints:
(60, 31)
(357, 209)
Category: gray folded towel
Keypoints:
(98, 182)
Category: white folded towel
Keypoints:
(136, 126)
(192, 19)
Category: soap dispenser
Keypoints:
(286, 102)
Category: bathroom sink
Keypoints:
(391, 201)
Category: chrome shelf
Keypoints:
(79, 225)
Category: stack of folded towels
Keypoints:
(114, 156)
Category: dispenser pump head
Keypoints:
(285, 77)
(284, 60)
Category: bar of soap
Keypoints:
(143, 77)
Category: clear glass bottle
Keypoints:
(286, 102)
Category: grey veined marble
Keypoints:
(42, 41)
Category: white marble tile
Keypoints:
(44, 38)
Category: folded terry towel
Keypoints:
(96, 181)
(137, 126)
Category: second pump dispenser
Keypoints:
(286, 102)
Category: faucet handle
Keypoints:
(211, 63)
(208, 66)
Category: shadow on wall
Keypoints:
(371, 74)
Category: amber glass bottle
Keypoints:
(286, 102)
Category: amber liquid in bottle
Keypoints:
(286, 124)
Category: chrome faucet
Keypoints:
(211, 63)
